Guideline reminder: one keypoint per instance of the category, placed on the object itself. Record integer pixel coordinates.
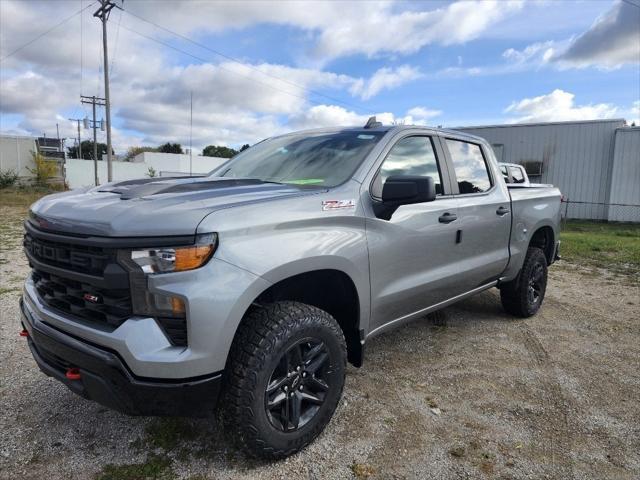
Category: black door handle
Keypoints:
(447, 217)
(502, 211)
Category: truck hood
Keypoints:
(151, 207)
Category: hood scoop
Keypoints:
(145, 187)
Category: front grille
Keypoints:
(85, 282)
(77, 258)
(106, 306)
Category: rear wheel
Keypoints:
(284, 378)
(524, 295)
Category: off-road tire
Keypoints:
(516, 296)
(264, 336)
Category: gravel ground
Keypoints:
(468, 393)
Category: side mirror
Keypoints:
(404, 190)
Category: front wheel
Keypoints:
(285, 377)
(524, 295)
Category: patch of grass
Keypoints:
(362, 471)
(615, 246)
(8, 290)
(24, 196)
(156, 468)
(167, 433)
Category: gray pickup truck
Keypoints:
(252, 287)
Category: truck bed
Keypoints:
(531, 206)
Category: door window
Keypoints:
(410, 156)
(517, 174)
(470, 167)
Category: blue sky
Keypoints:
(306, 64)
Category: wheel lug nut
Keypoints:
(304, 374)
(300, 387)
(286, 388)
(298, 368)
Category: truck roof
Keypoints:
(391, 128)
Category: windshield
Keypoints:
(322, 159)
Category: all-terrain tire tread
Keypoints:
(257, 335)
(513, 294)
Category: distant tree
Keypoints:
(244, 147)
(170, 148)
(216, 151)
(87, 150)
(133, 151)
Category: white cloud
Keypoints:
(234, 103)
(425, 113)
(333, 115)
(612, 41)
(557, 106)
(372, 31)
(352, 27)
(632, 115)
(538, 52)
(384, 79)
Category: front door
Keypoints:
(412, 255)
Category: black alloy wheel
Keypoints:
(524, 295)
(298, 385)
(536, 283)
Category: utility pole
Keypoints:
(103, 14)
(93, 100)
(191, 138)
(78, 120)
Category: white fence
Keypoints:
(16, 154)
(79, 173)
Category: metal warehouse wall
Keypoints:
(625, 178)
(15, 154)
(576, 157)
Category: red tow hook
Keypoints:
(73, 373)
(24, 333)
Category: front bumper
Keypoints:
(105, 378)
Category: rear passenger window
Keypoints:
(470, 167)
(517, 175)
(410, 156)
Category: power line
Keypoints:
(184, 52)
(251, 67)
(115, 44)
(45, 32)
(637, 5)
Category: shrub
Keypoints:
(43, 170)
(8, 178)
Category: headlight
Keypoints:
(176, 259)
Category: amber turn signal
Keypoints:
(192, 257)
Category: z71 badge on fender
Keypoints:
(338, 204)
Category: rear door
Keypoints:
(483, 213)
(410, 254)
